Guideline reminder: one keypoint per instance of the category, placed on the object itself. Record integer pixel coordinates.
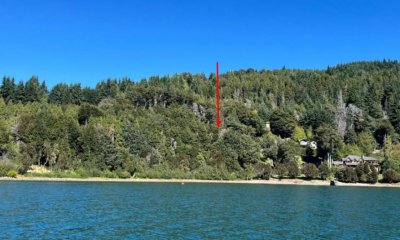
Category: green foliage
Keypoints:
(351, 150)
(33, 91)
(7, 89)
(6, 167)
(263, 170)
(65, 94)
(288, 151)
(310, 171)
(281, 170)
(12, 174)
(243, 147)
(328, 141)
(317, 116)
(348, 175)
(123, 174)
(366, 173)
(165, 126)
(282, 123)
(392, 156)
(383, 129)
(87, 111)
(325, 170)
(391, 176)
(299, 134)
(366, 142)
(293, 169)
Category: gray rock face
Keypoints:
(198, 110)
(341, 115)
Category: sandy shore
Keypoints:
(184, 181)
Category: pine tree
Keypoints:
(8, 89)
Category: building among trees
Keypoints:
(354, 161)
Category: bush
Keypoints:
(12, 174)
(263, 170)
(348, 175)
(367, 173)
(109, 174)
(310, 171)
(123, 174)
(280, 170)
(391, 176)
(293, 169)
(324, 170)
(83, 173)
(96, 172)
(5, 167)
(373, 176)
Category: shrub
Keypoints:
(96, 172)
(82, 173)
(263, 170)
(123, 174)
(109, 174)
(373, 176)
(348, 175)
(5, 167)
(280, 170)
(310, 171)
(325, 171)
(363, 178)
(12, 174)
(390, 176)
(293, 169)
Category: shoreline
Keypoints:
(299, 182)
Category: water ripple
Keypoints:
(40, 210)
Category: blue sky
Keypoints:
(91, 40)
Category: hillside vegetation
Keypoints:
(164, 126)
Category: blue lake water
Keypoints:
(68, 210)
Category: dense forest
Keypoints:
(164, 127)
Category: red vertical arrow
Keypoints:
(217, 98)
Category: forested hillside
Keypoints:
(164, 126)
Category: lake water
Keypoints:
(60, 210)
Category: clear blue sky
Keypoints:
(91, 40)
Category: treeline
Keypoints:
(164, 126)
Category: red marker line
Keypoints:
(217, 98)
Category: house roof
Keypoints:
(351, 163)
(359, 158)
(337, 162)
(366, 158)
(352, 157)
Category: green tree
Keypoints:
(391, 176)
(281, 170)
(86, 111)
(263, 170)
(288, 151)
(318, 116)
(324, 170)
(34, 92)
(282, 123)
(328, 141)
(310, 171)
(20, 92)
(293, 169)
(384, 129)
(7, 89)
(366, 142)
(59, 94)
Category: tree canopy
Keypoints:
(164, 126)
